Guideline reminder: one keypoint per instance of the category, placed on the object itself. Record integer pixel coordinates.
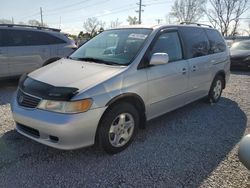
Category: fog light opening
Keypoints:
(53, 138)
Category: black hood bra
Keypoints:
(44, 90)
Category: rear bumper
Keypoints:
(62, 131)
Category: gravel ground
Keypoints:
(195, 146)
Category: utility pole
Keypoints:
(41, 13)
(158, 20)
(140, 10)
(60, 22)
(12, 20)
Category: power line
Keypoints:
(77, 9)
(117, 10)
(67, 6)
(124, 8)
(55, 9)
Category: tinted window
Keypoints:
(31, 38)
(217, 44)
(3, 33)
(195, 40)
(1, 38)
(168, 43)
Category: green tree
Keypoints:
(132, 20)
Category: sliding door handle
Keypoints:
(184, 71)
(194, 68)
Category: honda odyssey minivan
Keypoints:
(108, 88)
(25, 48)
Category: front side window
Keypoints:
(168, 43)
(113, 46)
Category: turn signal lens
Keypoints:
(78, 106)
(66, 106)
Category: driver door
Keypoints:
(167, 83)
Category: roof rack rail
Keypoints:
(198, 24)
(30, 26)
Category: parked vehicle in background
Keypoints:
(26, 48)
(244, 151)
(229, 42)
(116, 81)
(240, 55)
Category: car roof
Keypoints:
(29, 27)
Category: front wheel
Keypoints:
(216, 89)
(118, 127)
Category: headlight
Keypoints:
(247, 58)
(66, 107)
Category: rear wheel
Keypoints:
(216, 89)
(118, 127)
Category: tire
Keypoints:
(118, 127)
(216, 89)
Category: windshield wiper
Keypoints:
(91, 59)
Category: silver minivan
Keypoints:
(26, 48)
(108, 88)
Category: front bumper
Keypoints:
(62, 131)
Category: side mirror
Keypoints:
(159, 59)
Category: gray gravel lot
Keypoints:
(195, 146)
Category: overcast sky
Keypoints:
(73, 12)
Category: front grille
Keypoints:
(28, 130)
(27, 100)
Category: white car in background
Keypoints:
(26, 48)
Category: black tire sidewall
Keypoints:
(109, 116)
(211, 91)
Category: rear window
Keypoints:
(195, 40)
(31, 38)
(217, 43)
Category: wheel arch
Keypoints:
(131, 98)
(223, 74)
(127, 97)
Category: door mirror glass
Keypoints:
(159, 59)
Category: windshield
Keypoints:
(242, 45)
(113, 46)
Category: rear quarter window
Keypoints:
(217, 43)
(196, 43)
(1, 38)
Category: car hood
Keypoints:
(239, 53)
(76, 74)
